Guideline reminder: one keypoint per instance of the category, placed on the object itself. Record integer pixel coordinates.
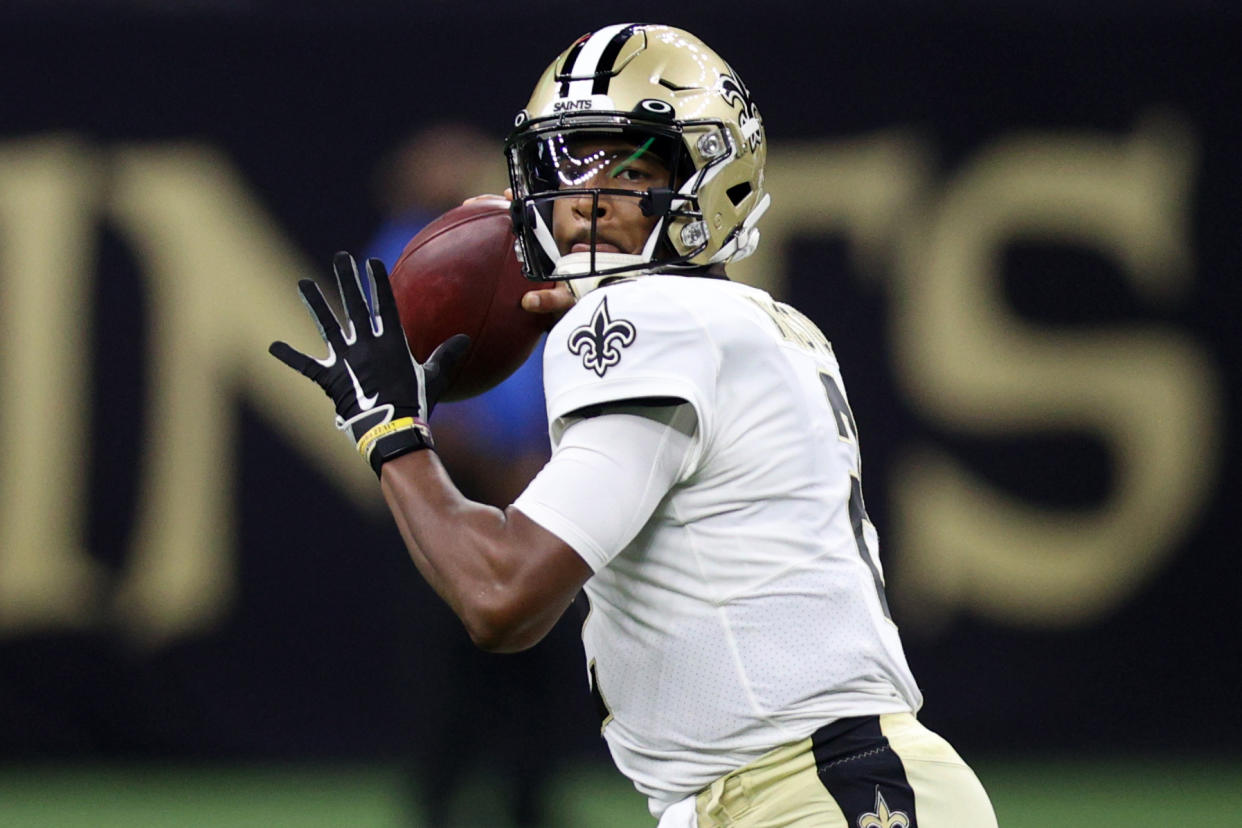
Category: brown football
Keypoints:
(460, 274)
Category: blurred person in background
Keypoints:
(704, 489)
(488, 710)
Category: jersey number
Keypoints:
(858, 510)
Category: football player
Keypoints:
(704, 489)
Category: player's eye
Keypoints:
(632, 174)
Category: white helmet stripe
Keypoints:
(587, 63)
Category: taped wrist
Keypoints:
(391, 440)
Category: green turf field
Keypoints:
(1027, 794)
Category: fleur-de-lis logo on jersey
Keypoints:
(882, 817)
(600, 341)
(737, 95)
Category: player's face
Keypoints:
(612, 164)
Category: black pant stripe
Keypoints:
(863, 774)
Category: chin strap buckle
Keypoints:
(657, 201)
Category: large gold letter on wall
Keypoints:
(219, 277)
(971, 364)
(221, 280)
(48, 197)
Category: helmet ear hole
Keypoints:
(738, 192)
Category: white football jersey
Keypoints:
(749, 610)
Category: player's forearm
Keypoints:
(468, 552)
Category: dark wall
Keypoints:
(330, 645)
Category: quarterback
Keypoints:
(704, 490)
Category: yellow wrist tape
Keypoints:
(366, 444)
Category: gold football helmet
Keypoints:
(661, 94)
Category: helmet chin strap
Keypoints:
(573, 264)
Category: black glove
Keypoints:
(383, 396)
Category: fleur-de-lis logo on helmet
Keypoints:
(882, 817)
(748, 120)
(600, 341)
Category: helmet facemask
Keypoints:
(593, 162)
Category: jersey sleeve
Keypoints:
(634, 455)
(629, 341)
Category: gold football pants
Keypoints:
(867, 772)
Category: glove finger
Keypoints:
(368, 288)
(324, 318)
(385, 304)
(350, 286)
(294, 358)
(447, 354)
(442, 366)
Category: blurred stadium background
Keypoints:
(1017, 221)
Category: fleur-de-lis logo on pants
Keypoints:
(881, 817)
(600, 341)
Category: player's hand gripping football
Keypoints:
(383, 396)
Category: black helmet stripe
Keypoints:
(603, 69)
(593, 57)
(568, 66)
